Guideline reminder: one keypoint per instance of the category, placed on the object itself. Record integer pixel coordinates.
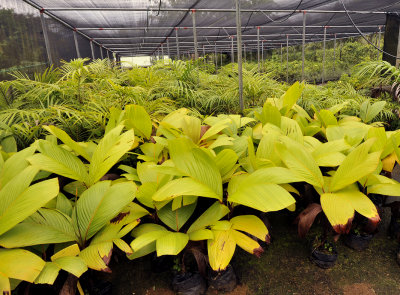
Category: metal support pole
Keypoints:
(258, 49)
(244, 52)
(101, 52)
(78, 54)
(303, 46)
(323, 57)
(204, 54)
(287, 58)
(169, 54)
(108, 54)
(398, 51)
(216, 57)
(92, 49)
(379, 43)
(334, 54)
(162, 52)
(177, 42)
(220, 55)
(232, 51)
(262, 55)
(239, 48)
(196, 53)
(46, 37)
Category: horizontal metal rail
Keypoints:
(279, 41)
(223, 36)
(171, 9)
(143, 51)
(215, 28)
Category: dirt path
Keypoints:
(285, 269)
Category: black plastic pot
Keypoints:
(394, 228)
(323, 259)
(222, 281)
(189, 284)
(398, 256)
(357, 242)
(104, 288)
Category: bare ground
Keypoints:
(285, 269)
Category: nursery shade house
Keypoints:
(146, 27)
(111, 29)
(265, 112)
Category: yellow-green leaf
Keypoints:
(66, 139)
(339, 208)
(138, 119)
(171, 243)
(252, 225)
(48, 275)
(96, 256)
(20, 264)
(147, 238)
(196, 163)
(386, 189)
(356, 165)
(221, 249)
(22, 205)
(265, 197)
(71, 264)
(184, 186)
(247, 243)
(201, 234)
(214, 213)
(300, 161)
(109, 151)
(56, 159)
(72, 250)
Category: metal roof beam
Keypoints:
(216, 28)
(214, 36)
(171, 9)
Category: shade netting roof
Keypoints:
(138, 27)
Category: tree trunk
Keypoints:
(70, 285)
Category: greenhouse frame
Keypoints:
(155, 28)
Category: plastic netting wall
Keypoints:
(139, 27)
(22, 42)
(61, 39)
(21, 39)
(84, 47)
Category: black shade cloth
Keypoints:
(130, 32)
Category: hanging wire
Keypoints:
(248, 20)
(147, 19)
(159, 8)
(286, 17)
(229, 35)
(362, 35)
(179, 22)
(327, 23)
